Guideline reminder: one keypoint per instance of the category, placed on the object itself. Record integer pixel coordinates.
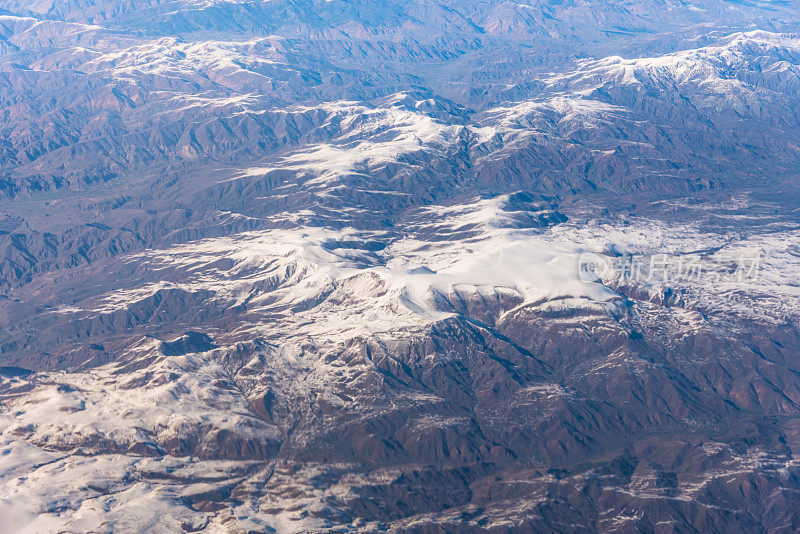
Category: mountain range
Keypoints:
(441, 266)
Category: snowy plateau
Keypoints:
(288, 266)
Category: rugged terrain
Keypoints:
(293, 266)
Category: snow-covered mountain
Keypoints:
(291, 266)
